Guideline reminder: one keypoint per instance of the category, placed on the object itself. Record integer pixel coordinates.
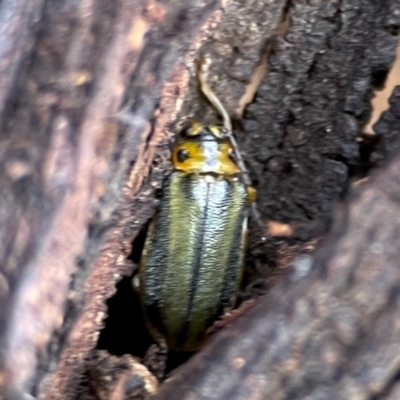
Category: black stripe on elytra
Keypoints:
(157, 260)
(183, 334)
(233, 266)
(187, 186)
(235, 262)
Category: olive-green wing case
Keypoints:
(192, 262)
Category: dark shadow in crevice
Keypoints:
(124, 331)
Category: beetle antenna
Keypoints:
(202, 73)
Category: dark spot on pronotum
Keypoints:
(183, 155)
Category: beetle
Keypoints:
(193, 258)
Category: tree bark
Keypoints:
(90, 92)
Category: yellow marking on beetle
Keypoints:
(195, 160)
(195, 129)
(200, 161)
(228, 167)
(216, 130)
(252, 193)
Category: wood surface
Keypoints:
(90, 95)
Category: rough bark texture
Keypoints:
(90, 92)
